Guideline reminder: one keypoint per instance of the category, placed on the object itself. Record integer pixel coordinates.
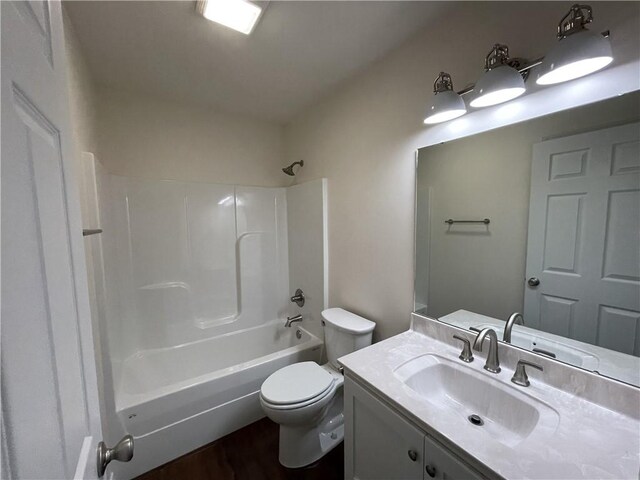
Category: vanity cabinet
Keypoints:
(381, 444)
(441, 464)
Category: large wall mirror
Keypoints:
(540, 218)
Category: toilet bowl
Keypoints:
(309, 414)
(306, 398)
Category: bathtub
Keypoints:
(174, 400)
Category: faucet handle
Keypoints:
(466, 355)
(298, 298)
(520, 375)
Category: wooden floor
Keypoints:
(248, 454)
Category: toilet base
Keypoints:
(302, 446)
(310, 432)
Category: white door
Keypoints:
(50, 413)
(584, 238)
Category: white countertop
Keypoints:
(591, 441)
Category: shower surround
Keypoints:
(193, 261)
(193, 281)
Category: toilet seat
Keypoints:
(297, 385)
(294, 406)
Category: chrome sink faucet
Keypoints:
(292, 320)
(493, 364)
(515, 318)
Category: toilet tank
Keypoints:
(345, 332)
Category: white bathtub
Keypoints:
(174, 400)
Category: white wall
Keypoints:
(308, 255)
(489, 176)
(83, 123)
(363, 138)
(151, 138)
(81, 95)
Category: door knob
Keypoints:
(122, 452)
(533, 282)
(431, 471)
(413, 455)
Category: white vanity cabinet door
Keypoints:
(379, 443)
(440, 464)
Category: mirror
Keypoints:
(540, 218)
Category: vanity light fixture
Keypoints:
(500, 81)
(445, 104)
(240, 15)
(579, 51)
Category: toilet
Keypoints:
(306, 398)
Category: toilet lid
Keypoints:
(296, 383)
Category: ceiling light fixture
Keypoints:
(579, 51)
(240, 15)
(500, 82)
(445, 104)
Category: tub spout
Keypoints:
(291, 320)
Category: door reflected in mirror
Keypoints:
(540, 218)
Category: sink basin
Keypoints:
(508, 415)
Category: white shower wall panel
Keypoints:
(211, 231)
(182, 240)
(193, 260)
(262, 247)
(308, 252)
(115, 252)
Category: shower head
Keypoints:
(289, 170)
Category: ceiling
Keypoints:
(297, 53)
